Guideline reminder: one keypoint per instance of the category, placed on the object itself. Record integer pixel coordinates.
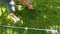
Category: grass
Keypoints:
(46, 14)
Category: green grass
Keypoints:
(46, 14)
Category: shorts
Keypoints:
(9, 5)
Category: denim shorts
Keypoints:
(10, 7)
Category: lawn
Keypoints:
(46, 15)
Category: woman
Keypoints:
(10, 4)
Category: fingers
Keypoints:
(27, 4)
(14, 18)
(30, 7)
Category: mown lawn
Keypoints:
(46, 15)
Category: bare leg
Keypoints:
(16, 19)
